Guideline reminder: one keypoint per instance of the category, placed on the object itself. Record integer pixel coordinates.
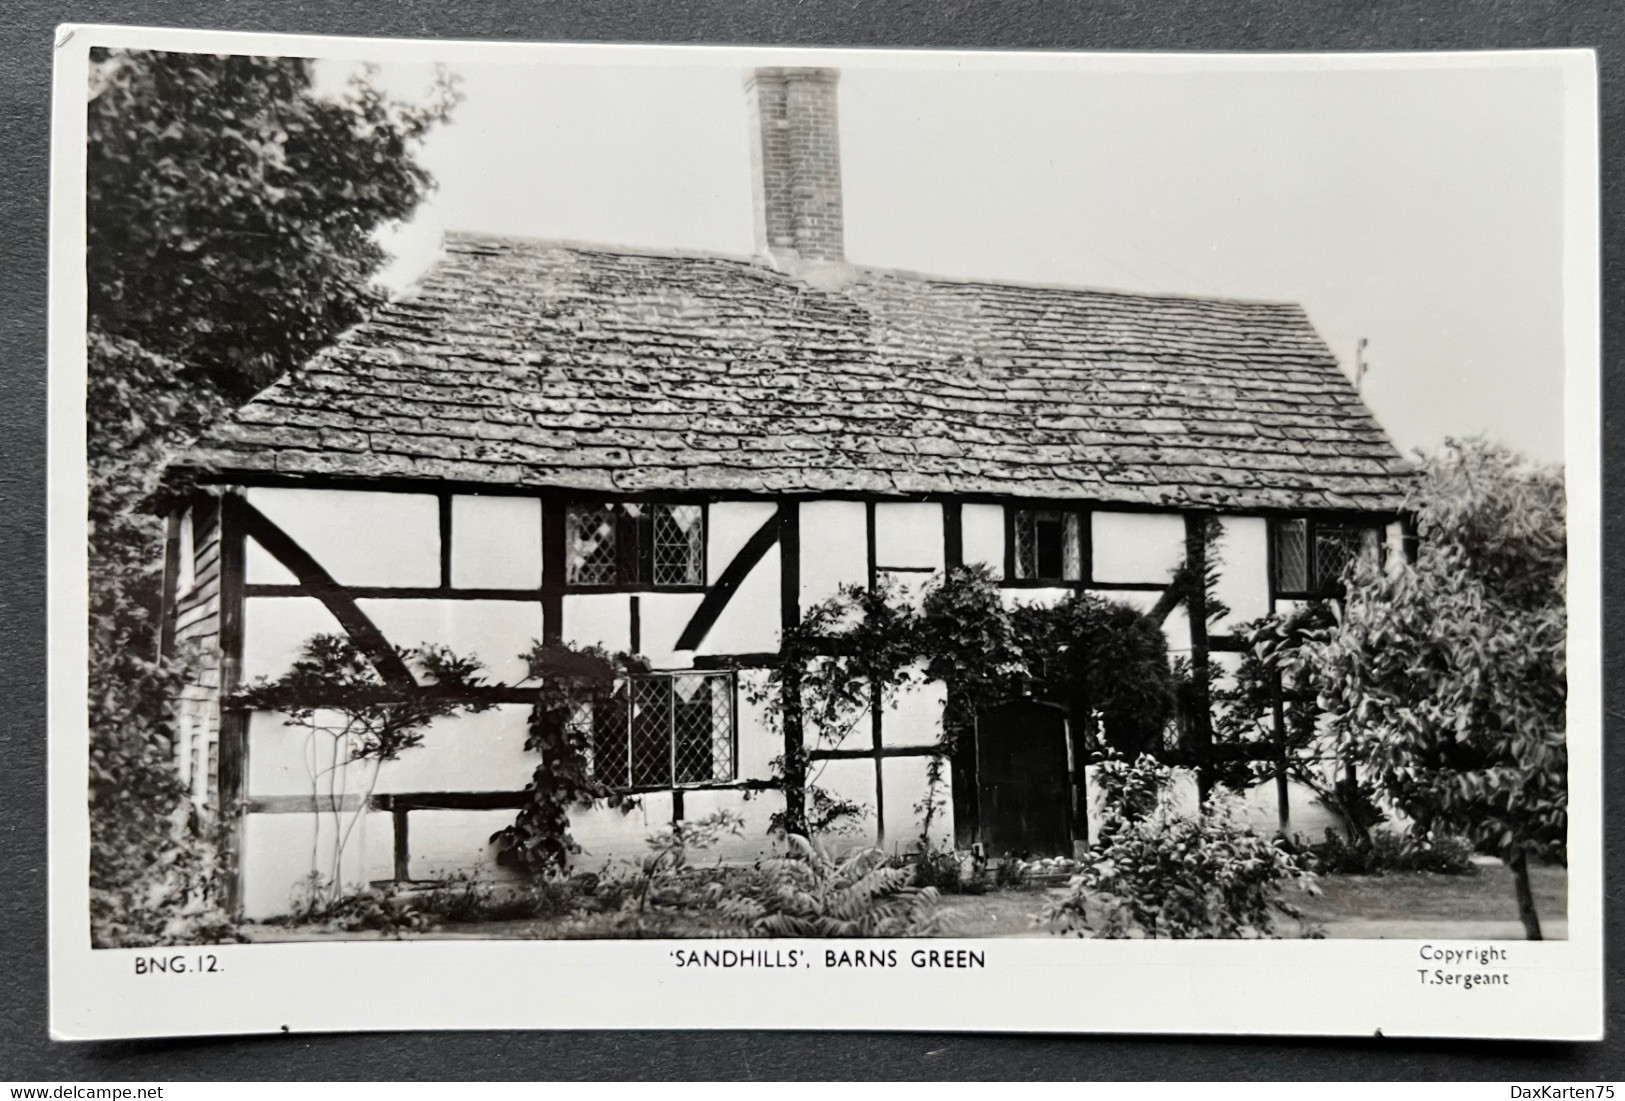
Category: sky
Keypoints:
(1420, 210)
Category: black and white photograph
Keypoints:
(830, 512)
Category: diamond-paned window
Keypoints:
(1312, 554)
(636, 544)
(1292, 556)
(590, 534)
(666, 730)
(679, 545)
(1048, 545)
(1337, 546)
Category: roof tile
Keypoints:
(548, 365)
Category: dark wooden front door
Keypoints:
(1022, 780)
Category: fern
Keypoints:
(810, 892)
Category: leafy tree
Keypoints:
(230, 215)
(231, 210)
(1447, 681)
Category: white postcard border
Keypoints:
(1272, 987)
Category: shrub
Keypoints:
(808, 892)
(945, 871)
(1009, 875)
(1162, 873)
(663, 894)
(382, 909)
(1388, 852)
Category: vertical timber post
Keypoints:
(233, 757)
(795, 772)
(1283, 809)
(1201, 727)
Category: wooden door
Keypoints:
(1022, 780)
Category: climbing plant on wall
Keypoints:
(578, 692)
(355, 723)
(861, 648)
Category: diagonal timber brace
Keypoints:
(320, 584)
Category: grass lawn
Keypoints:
(1404, 905)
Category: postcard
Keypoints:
(574, 536)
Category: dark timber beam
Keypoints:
(717, 598)
(250, 521)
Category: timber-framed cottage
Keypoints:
(673, 455)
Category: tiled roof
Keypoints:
(524, 363)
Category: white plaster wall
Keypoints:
(496, 631)
(605, 834)
(259, 568)
(905, 787)
(442, 844)
(982, 536)
(274, 629)
(854, 779)
(1136, 547)
(759, 741)
(755, 807)
(483, 752)
(731, 524)
(598, 619)
(1307, 818)
(913, 716)
(496, 542)
(277, 851)
(360, 538)
(834, 548)
(1243, 571)
(661, 619)
(908, 535)
(470, 752)
(750, 622)
(1177, 629)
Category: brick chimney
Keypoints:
(796, 154)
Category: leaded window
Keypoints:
(1048, 545)
(635, 543)
(666, 730)
(1312, 555)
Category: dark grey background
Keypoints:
(26, 1054)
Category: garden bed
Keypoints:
(1401, 905)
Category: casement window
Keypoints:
(666, 730)
(635, 544)
(1047, 544)
(1312, 553)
